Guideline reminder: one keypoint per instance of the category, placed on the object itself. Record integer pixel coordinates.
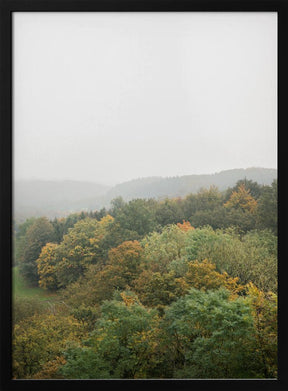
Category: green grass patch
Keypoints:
(21, 289)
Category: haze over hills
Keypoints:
(59, 198)
(155, 187)
(54, 198)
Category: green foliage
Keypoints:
(123, 345)
(204, 200)
(252, 257)
(162, 248)
(195, 240)
(116, 205)
(138, 292)
(20, 239)
(115, 236)
(62, 225)
(222, 217)
(253, 187)
(210, 336)
(169, 211)
(61, 264)
(267, 208)
(37, 235)
(137, 215)
(247, 205)
(85, 291)
(77, 250)
(87, 315)
(178, 266)
(99, 282)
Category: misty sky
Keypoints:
(108, 97)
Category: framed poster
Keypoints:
(143, 198)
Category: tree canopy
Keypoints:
(170, 288)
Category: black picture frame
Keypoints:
(7, 9)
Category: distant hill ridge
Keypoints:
(155, 187)
(58, 198)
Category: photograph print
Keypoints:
(144, 195)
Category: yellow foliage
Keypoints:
(50, 369)
(264, 310)
(125, 252)
(128, 299)
(46, 266)
(242, 199)
(41, 339)
(203, 275)
(106, 220)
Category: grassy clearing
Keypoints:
(20, 288)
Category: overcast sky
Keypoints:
(109, 97)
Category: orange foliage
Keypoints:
(186, 226)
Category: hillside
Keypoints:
(58, 198)
(54, 198)
(156, 187)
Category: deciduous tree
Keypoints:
(37, 235)
(123, 345)
(242, 199)
(40, 339)
(210, 336)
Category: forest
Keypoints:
(182, 287)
